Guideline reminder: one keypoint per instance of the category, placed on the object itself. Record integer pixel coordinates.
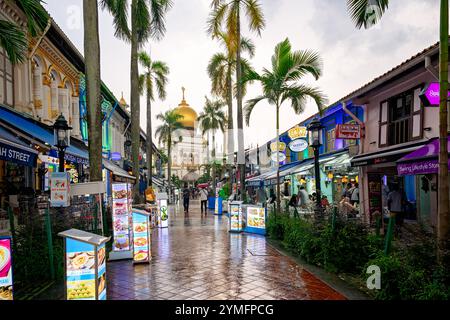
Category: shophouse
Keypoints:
(397, 124)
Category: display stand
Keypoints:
(141, 236)
(163, 210)
(122, 222)
(85, 265)
(256, 217)
(6, 268)
(152, 209)
(218, 207)
(236, 217)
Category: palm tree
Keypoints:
(147, 21)
(281, 84)
(228, 12)
(220, 70)
(170, 123)
(368, 12)
(13, 39)
(212, 119)
(155, 75)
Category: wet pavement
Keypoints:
(197, 259)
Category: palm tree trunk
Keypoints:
(240, 119)
(135, 112)
(149, 140)
(214, 162)
(169, 162)
(92, 65)
(278, 162)
(443, 207)
(230, 138)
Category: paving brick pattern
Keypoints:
(197, 259)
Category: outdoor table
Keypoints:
(85, 265)
(141, 236)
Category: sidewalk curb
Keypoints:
(330, 279)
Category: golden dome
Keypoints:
(189, 114)
(122, 101)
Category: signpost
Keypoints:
(430, 95)
(348, 131)
(59, 189)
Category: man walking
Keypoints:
(303, 199)
(204, 200)
(186, 198)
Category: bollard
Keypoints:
(48, 228)
(390, 233)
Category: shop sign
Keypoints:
(59, 189)
(16, 155)
(298, 132)
(418, 167)
(6, 280)
(298, 145)
(348, 131)
(282, 157)
(141, 238)
(256, 217)
(116, 156)
(75, 159)
(281, 147)
(430, 95)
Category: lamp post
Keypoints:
(62, 139)
(315, 141)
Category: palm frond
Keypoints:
(366, 13)
(249, 106)
(299, 94)
(142, 19)
(306, 61)
(14, 41)
(37, 16)
(119, 10)
(142, 79)
(253, 11)
(158, 9)
(145, 60)
(282, 52)
(215, 19)
(247, 45)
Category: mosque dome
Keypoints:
(188, 113)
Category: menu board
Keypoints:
(256, 217)
(101, 258)
(141, 238)
(163, 214)
(235, 217)
(6, 281)
(375, 194)
(121, 217)
(59, 189)
(80, 270)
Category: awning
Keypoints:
(424, 160)
(116, 170)
(14, 150)
(158, 182)
(32, 128)
(341, 162)
(391, 155)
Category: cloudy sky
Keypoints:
(351, 57)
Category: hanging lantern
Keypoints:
(357, 179)
(330, 175)
(345, 179)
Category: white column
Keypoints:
(76, 116)
(38, 92)
(54, 101)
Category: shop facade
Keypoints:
(398, 123)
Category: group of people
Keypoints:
(303, 199)
(349, 203)
(189, 193)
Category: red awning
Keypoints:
(203, 185)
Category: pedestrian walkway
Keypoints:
(197, 259)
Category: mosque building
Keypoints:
(189, 152)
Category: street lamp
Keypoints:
(315, 141)
(62, 139)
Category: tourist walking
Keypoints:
(303, 198)
(204, 200)
(186, 198)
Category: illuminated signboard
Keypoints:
(298, 132)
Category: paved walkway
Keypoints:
(197, 259)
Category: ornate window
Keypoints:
(6, 79)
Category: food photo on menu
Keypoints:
(83, 262)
